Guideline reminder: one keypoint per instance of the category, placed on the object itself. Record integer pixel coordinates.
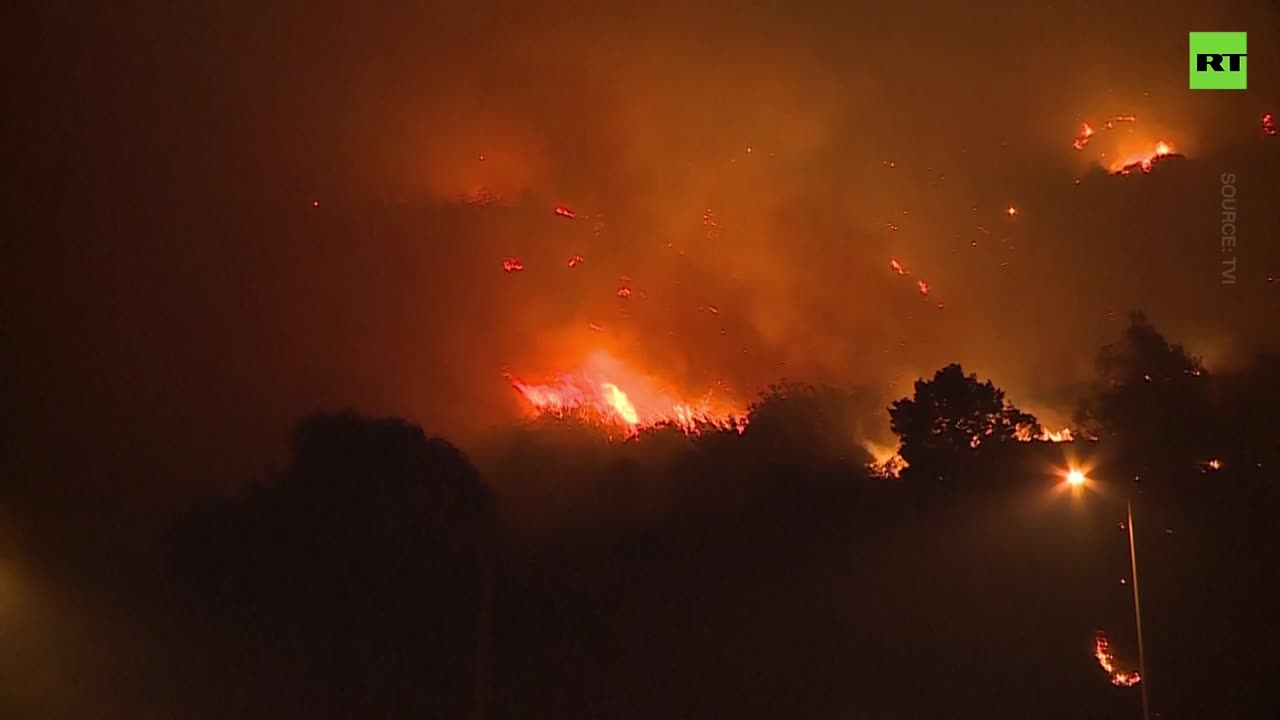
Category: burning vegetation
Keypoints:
(1102, 651)
(606, 393)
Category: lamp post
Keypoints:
(1076, 480)
(1137, 613)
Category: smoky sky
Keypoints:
(232, 215)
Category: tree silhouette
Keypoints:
(1152, 402)
(950, 419)
(809, 423)
(357, 577)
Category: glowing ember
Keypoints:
(624, 292)
(596, 326)
(565, 212)
(1212, 464)
(1012, 211)
(608, 394)
(575, 261)
(1083, 138)
(512, 265)
(897, 267)
(924, 287)
(1102, 651)
(1268, 125)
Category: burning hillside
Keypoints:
(605, 392)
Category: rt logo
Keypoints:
(1218, 61)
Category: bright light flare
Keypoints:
(1075, 477)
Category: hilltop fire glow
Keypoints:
(1144, 160)
(1102, 651)
(606, 393)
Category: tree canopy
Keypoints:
(951, 418)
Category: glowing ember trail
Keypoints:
(898, 268)
(609, 395)
(565, 212)
(512, 265)
(1102, 651)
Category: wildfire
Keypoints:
(1102, 651)
(1023, 434)
(606, 393)
(1083, 138)
(885, 460)
(1143, 161)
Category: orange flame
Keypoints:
(1102, 651)
(885, 462)
(607, 394)
(1023, 434)
(1083, 138)
(1142, 161)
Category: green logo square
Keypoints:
(1218, 61)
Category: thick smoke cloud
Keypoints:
(181, 293)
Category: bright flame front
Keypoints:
(606, 393)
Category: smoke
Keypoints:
(259, 214)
